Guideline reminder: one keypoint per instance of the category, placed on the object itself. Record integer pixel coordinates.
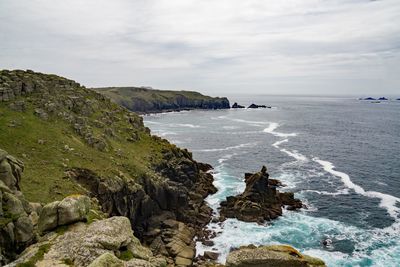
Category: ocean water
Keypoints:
(340, 156)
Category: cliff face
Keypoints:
(145, 100)
(74, 140)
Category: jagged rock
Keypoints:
(276, 255)
(236, 105)
(211, 255)
(10, 170)
(71, 209)
(260, 200)
(16, 227)
(258, 106)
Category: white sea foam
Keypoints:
(227, 148)
(278, 143)
(295, 154)
(188, 125)
(388, 202)
(271, 130)
(344, 191)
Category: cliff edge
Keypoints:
(145, 100)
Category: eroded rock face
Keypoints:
(178, 195)
(96, 244)
(276, 255)
(260, 200)
(16, 225)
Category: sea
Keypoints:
(340, 155)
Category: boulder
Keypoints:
(276, 255)
(96, 244)
(48, 218)
(71, 209)
(260, 200)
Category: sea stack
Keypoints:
(260, 201)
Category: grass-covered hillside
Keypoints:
(52, 124)
(144, 100)
(73, 140)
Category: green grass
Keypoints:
(126, 255)
(45, 164)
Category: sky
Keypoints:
(295, 47)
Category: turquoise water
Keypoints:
(340, 156)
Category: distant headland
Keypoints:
(149, 100)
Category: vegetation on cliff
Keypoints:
(147, 100)
(76, 141)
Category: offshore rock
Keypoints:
(260, 200)
(276, 255)
(236, 105)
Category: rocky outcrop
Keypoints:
(152, 202)
(146, 100)
(236, 105)
(276, 255)
(55, 96)
(258, 106)
(260, 200)
(96, 244)
(17, 217)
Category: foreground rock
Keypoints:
(71, 209)
(17, 216)
(260, 201)
(264, 256)
(97, 244)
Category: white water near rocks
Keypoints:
(354, 244)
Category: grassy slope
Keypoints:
(45, 164)
(148, 94)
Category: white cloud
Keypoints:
(292, 46)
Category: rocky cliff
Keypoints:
(73, 140)
(146, 100)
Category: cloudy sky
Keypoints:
(213, 46)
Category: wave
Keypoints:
(227, 148)
(295, 154)
(271, 130)
(337, 193)
(186, 125)
(278, 143)
(388, 202)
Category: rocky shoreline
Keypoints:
(98, 189)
